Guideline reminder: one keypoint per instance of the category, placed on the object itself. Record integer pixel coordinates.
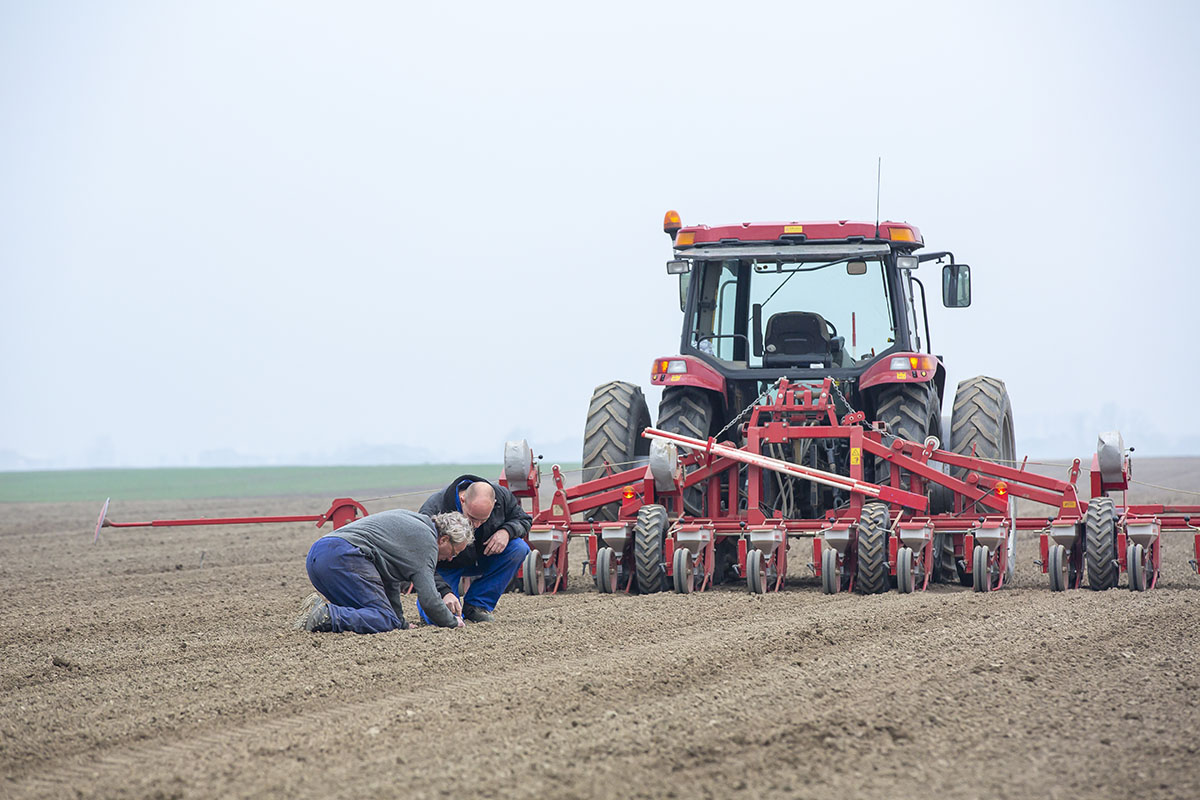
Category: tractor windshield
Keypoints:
(793, 313)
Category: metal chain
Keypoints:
(770, 390)
(837, 391)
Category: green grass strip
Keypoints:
(66, 486)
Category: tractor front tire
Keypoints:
(617, 415)
(649, 535)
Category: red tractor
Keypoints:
(803, 301)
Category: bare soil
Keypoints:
(161, 663)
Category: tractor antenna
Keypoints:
(878, 177)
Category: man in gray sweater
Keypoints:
(360, 566)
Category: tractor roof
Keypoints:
(909, 236)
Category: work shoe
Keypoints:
(477, 614)
(314, 615)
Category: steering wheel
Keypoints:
(832, 329)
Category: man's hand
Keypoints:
(453, 604)
(497, 543)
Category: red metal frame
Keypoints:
(341, 511)
(797, 412)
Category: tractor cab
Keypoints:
(762, 301)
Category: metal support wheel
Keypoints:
(1137, 569)
(756, 571)
(1058, 567)
(681, 566)
(830, 580)
(980, 570)
(904, 570)
(533, 573)
(606, 571)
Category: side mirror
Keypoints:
(956, 286)
(684, 280)
(856, 268)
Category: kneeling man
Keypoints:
(360, 566)
(501, 525)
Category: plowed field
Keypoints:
(161, 663)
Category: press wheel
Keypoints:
(533, 573)
(1137, 570)
(606, 571)
(831, 582)
(980, 570)
(681, 567)
(904, 570)
(1058, 567)
(756, 571)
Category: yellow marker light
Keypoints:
(628, 493)
(1001, 489)
(901, 235)
(685, 239)
(671, 222)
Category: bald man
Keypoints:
(501, 527)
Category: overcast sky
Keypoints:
(301, 232)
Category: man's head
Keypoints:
(477, 502)
(454, 534)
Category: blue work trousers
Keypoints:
(351, 584)
(492, 575)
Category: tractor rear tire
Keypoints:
(1100, 543)
(687, 411)
(871, 573)
(649, 534)
(981, 424)
(617, 415)
(912, 411)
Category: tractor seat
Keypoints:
(796, 339)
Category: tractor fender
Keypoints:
(879, 373)
(698, 374)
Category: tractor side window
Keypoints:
(714, 318)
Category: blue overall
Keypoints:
(492, 575)
(357, 600)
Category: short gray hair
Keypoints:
(456, 526)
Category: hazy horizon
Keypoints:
(297, 233)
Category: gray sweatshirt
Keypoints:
(403, 547)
